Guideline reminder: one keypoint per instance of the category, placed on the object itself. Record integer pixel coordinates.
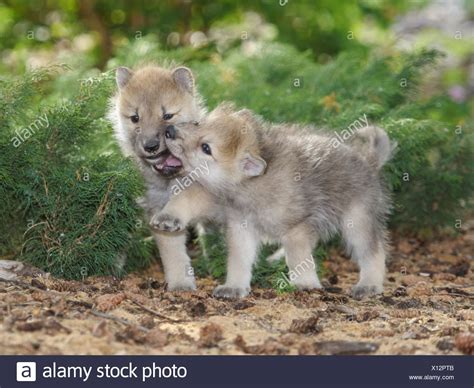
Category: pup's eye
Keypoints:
(135, 118)
(168, 116)
(206, 149)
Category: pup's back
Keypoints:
(308, 180)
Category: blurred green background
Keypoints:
(92, 36)
(407, 64)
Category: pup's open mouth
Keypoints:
(166, 163)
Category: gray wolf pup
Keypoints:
(292, 185)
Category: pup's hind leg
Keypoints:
(365, 243)
(298, 245)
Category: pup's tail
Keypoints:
(375, 145)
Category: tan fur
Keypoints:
(151, 91)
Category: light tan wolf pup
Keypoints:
(148, 100)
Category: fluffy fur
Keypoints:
(148, 100)
(290, 184)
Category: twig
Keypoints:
(156, 313)
(469, 296)
(123, 321)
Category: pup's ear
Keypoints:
(184, 78)
(253, 165)
(122, 76)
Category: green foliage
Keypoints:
(73, 226)
(320, 26)
(69, 208)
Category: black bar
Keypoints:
(242, 371)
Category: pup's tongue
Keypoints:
(172, 161)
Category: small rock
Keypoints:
(465, 343)
(197, 309)
(30, 326)
(445, 345)
(9, 269)
(210, 335)
(426, 273)
(344, 347)
(305, 326)
(243, 304)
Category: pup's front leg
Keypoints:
(190, 204)
(242, 243)
(177, 265)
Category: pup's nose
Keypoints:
(152, 145)
(170, 132)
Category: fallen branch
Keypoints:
(159, 315)
(123, 321)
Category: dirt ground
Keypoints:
(426, 309)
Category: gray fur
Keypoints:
(378, 148)
(309, 192)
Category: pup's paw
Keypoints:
(166, 223)
(361, 291)
(183, 285)
(228, 292)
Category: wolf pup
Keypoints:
(293, 186)
(148, 100)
